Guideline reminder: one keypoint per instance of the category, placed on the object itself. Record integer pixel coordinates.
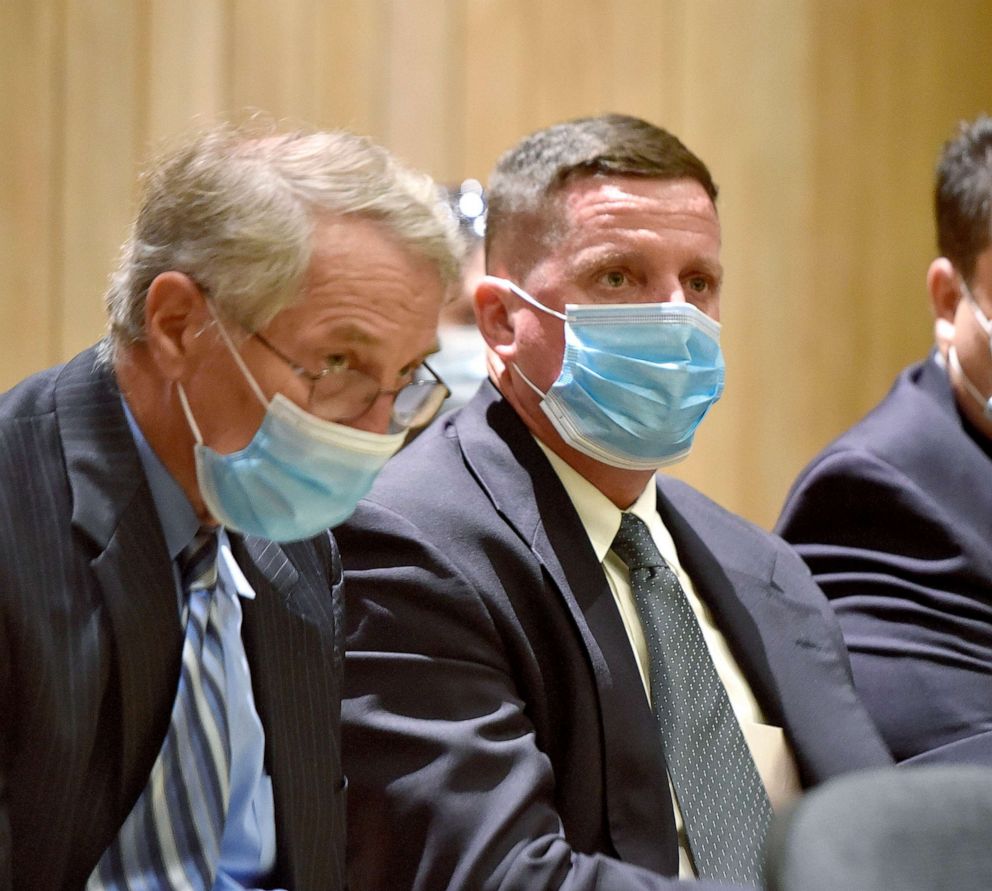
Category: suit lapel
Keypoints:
(526, 491)
(112, 506)
(292, 638)
(731, 601)
(292, 630)
(780, 637)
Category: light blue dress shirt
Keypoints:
(248, 846)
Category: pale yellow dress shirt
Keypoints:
(601, 520)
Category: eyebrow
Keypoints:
(603, 253)
(594, 257)
(352, 334)
(591, 259)
(714, 269)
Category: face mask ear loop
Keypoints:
(523, 295)
(983, 319)
(184, 402)
(973, 391)
(239, 361)
(529, 383)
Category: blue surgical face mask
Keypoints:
(636, 379)
(461, 362)
(298, 476)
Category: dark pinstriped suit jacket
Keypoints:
(90, 644)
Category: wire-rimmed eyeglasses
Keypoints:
(339, 393)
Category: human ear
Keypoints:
(175, 315)
(493, 316)
(942, 285)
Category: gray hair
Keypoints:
(235, 209)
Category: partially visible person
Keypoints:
(170, 603)
(894, 518)
(575, 672)
(461, 361)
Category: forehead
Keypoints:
(365, 290)
(593, 206)
(653, 228)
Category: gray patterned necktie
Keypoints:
(171, 839)
(722, 798)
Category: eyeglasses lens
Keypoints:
(348, 394)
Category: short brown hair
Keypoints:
(542, 164)
(963, 195)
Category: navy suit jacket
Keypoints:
(489, 671)
(90, 645)
(895, 520)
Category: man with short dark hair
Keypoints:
(170, 605)
(575, 674)
(895, 517)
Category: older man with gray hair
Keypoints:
(170, 630)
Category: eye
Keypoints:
(698, 284)
(336, 362)
(615, 278)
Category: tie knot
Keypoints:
(634, 544)
(198, 561)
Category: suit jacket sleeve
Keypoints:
(893, 560)
(448, 788)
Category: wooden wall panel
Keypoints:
(758, 152)
(500, 80)
(890, 78)
(351, 64)
(185, 68)
(528, 65)
(821, 120)
(30, 105)
(571, 59)
(101, 149)
(424, 85)
(646, 55)
(272, 57)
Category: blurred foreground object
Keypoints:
(904, 829)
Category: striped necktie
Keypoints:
(722, 798)
(171, 839)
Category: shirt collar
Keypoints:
(599, 516)
(175, 514)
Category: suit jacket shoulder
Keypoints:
(894, 519)
(916, 434)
